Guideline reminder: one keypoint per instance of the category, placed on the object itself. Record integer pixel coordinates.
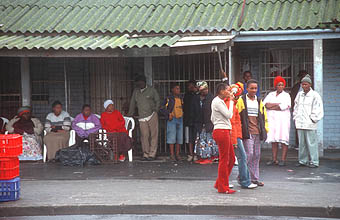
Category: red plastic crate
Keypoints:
(9, 168)
(10, 145)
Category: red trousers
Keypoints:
(226, 159)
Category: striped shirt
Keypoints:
(253, 113)
(63, 120)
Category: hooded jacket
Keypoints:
(308, 110)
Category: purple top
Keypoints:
(85, 127)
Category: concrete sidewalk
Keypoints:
(175, 188)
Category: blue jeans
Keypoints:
(174, 131)
(243, 171)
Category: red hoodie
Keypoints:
(236, 130)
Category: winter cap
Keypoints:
(307, 78)
(107, 103)
(23, 110)
(202, 85)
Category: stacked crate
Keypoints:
(10, 149)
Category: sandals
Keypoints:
(272, 162)
(282, 163)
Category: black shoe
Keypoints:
(300, 165)
(145, 159)
(151, 158)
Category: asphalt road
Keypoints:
(158, 217)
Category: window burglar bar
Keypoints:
(180, 69)
(286, 63)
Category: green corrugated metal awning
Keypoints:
(163, 16)
(103, 42)
(84, 42)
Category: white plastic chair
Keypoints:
(128, 120)
(71, 142)
(5, 120)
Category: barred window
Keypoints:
(286, 63)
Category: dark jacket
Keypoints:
(262, 118)
(293, 94)
(188, 110)
(202, 113)
(167, 107)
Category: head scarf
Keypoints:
(307, 78)
(279, 79)
(107, 103)
(23, 110)
(237, 89)
(202, 85)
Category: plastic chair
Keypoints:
(71, 142)
(128, 121)
(5, 120)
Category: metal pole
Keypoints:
(65, 84)
(230, 65)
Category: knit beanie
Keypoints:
(307, 78)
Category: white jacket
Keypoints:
(308, 110)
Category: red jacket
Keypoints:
(113, 122)
(236, 126)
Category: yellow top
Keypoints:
(177, 112)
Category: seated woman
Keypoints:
(113, 122)
(85, 123)
(57, 126)
(30, 128)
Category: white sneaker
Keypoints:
(251, 186)
(231, 186)
(190, 158)
(195, 158)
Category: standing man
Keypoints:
(293, 93)
(254, 128)
(172, 108)
(188, 118)
(308, 110)
(147, 101)
(247, 75)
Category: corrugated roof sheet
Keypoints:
(83, 42)
(162, 16)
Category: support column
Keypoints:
(148, 70)
(318, 83)
(25, 81)
(231, 77)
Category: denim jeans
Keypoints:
(243, 171)
(174, 131)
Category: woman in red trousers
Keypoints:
(220, 117)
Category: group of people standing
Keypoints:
(267, 120)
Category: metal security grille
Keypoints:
(10, 94)
(110, 78)
(286, 63)
(180, 69)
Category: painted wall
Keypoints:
(331, 93)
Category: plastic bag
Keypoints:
(77, 155)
